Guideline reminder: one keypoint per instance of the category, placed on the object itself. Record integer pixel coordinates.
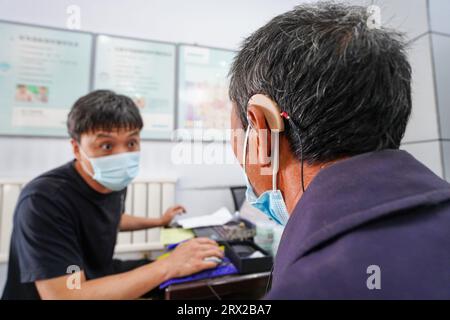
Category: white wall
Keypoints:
(440, 40)
(422, 137)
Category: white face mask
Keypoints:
(114, 172)
(271, 202)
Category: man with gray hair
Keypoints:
(331, 96)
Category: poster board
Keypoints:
(203, 105)
(43, 71)
(144, 71)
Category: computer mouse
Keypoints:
(213, 259)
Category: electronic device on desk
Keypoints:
(236, 230)
(232, 231)
(242, 225)
(245, 210)
(238, 194)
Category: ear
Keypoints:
(270, 109)
(264, 116)
(75, 148)
(258, 123)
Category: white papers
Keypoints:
(218, 218)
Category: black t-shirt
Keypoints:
(60, 222)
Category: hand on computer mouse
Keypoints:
(190, 257)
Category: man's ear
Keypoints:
(75, 148)
(270, 109)
(264, 114)
(259, 123)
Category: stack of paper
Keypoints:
(218, 218)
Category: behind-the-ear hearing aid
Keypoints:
(275, 119)
(272, 114)
(270, 109)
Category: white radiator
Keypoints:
(146, 198)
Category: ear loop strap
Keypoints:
(275, 157)
(244, 155)
(296, 130)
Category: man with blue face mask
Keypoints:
(324, 100)
(67, 219)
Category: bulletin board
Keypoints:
(42, 72)
(144, 71)
(203, 103)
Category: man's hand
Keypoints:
(188, 257)
(170, 214)
(133, 223)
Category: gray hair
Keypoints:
(345, 86)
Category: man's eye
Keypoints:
(132, 144)
(106, 147)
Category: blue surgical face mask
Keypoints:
(271, 202)
(114, 172)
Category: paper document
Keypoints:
(218, 218)
(175, 235)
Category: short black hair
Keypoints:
(103, 110)
(346, 86)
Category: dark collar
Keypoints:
(355, 191)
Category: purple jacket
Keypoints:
(382, 209)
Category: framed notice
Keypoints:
(144, 71)
(43, 71)
(203, 103)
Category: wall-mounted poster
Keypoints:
(203, 103)
(144, 71)
(43, 72)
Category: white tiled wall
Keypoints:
(446, 153)
(422, 137)
(439, 13)
(407, 16)
(429, 153)
(441, 49)
(423, 124)
(440, 27)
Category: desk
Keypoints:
(248, 286)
